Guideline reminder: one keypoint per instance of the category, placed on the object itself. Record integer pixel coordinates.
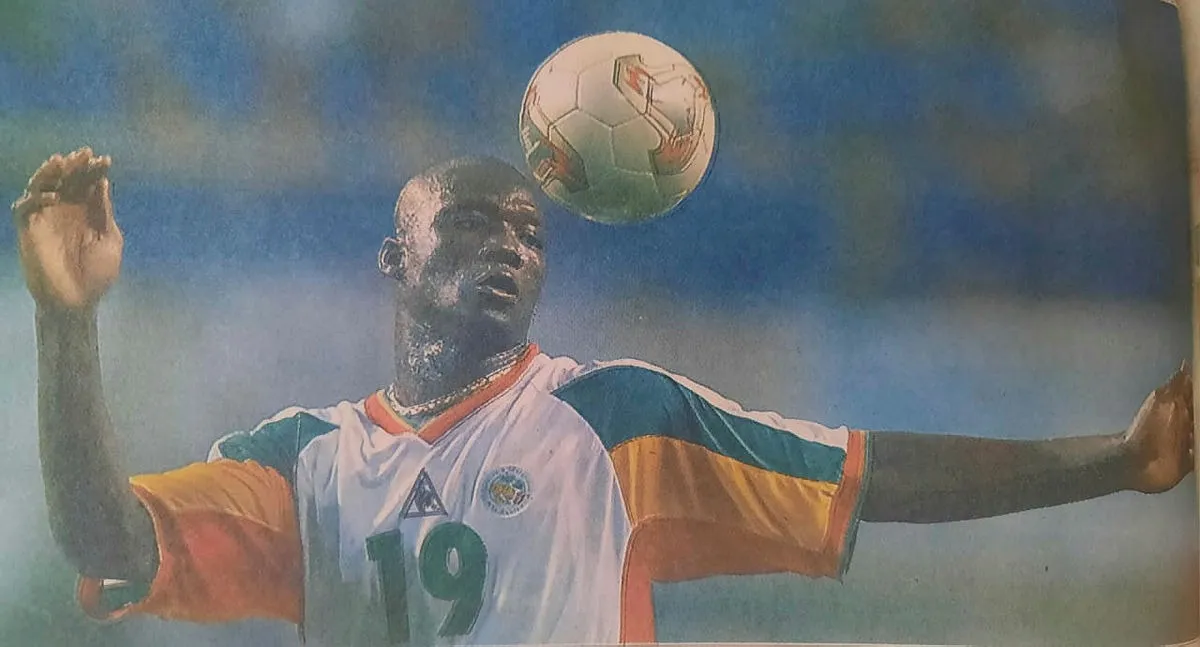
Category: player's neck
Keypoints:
(431, 366)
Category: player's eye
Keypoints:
(468, 220)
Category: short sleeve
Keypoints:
(228, 544)
(228, 541)
(713, 489)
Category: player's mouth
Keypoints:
(499, 285)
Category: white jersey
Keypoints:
(540, 510)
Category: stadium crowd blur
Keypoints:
(884, 147)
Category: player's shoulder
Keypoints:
(335, 415)
(624, 375)
(617, 396)
(277, 440)
(630, 385)
(555, 373)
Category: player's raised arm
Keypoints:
(70, 250)
(924, 478)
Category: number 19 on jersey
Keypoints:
(452, 564)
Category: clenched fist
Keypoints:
(69, 243)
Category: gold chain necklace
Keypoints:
(502, 361)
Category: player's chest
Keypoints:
(507, 474)
(462, 535)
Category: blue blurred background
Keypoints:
(963, 217)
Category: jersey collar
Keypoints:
(383, 416)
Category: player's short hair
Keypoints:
(441, 179)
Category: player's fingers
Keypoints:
(1178, 429)
(47, 176)
(1178, 383)
(96, 162)
(1180, 372)
(30, 203)
(20, 209)
(76, 160)
(75, 179)
(1187, 453)
(1183, 395)
(1186, 447)
(84, 153)
(102, 208)
(97, 168)
(100, 163)
(1184, 371)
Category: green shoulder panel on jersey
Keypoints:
(623, 403)
(276, 444)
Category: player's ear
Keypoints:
(391, 258)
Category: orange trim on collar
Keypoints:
(382, 414)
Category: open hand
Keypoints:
(69, 243)
(1159, 440)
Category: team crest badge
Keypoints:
(506, 490)
(423, 499)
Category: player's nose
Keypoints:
(504, 248)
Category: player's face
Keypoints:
(474, 252)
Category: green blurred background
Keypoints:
(965, 217)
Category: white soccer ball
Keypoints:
(617, 127)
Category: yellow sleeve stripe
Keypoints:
(666, 479)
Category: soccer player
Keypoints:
(490, 493)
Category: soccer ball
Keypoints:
(617, 127)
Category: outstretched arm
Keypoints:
(70, 250)
(925, 478)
